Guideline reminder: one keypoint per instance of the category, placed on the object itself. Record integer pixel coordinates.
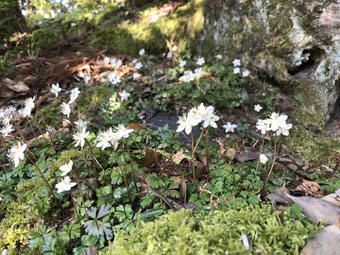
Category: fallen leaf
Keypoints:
(203, 159)
(136, 126)
(326, 242)
(151, 157)
(310, 187)
(179, 156)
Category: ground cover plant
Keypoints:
(137, 154)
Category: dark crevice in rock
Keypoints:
(336, 112)
(313, 58)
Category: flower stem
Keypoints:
(19, 131)
(74, 206)
(81, 195)
(193, 164)
(132, 168)
(207, 150)
(258, 160)
(30, 124)
(43, 177)
(93, 159)
(123, 173)
(274, 159)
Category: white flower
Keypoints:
(65, 109)
(55, 89)
(80, 137)
(134, 61)
(81, 124)
(284, 129)
(184, 124)
(237, 62)
(124, 95)
(113, 61)
(16, 153)
(263, 159)
(87, 78)
(174, 48)
(182, 63)
(141, 52)
(136, 75)
(200, 61)
(257, 107)
(209, 117)
(7, 119)
(106, 138)
(219, 56)
(229, 127)
(237, 70)
(245, 73)
(65, 185)
(106, 60)
(119, 62)
(8, 128)
(29, 103)
(263, 126)
(113, 78)
(74, 95)
(123, 132)
(169, 55)
(138, 65)
(66, 168)
(26, 112)
(189, 76)
(198, 72)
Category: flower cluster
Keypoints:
(113, 78)
(237, 68)
(6, 115)
(195, 116)
(192, 75)
(65, 107)
(276, 123)
(111, 138)
(16, 153)
(29, 105)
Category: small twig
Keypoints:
(74, 206)
(81, 195)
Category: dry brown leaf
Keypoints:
(136, 126)
(151, 157)
(179, 156)
(310, 187)
(203, 159)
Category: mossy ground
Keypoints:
(185, 232)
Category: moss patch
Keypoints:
(185, 232)
(179, 28)
(45, 36)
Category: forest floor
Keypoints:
(220, 178)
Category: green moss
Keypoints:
(15, 227)
(45, 36)
(185, 232)
(311, 148)
(110, 13)
(180, 28)
(94, 97)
